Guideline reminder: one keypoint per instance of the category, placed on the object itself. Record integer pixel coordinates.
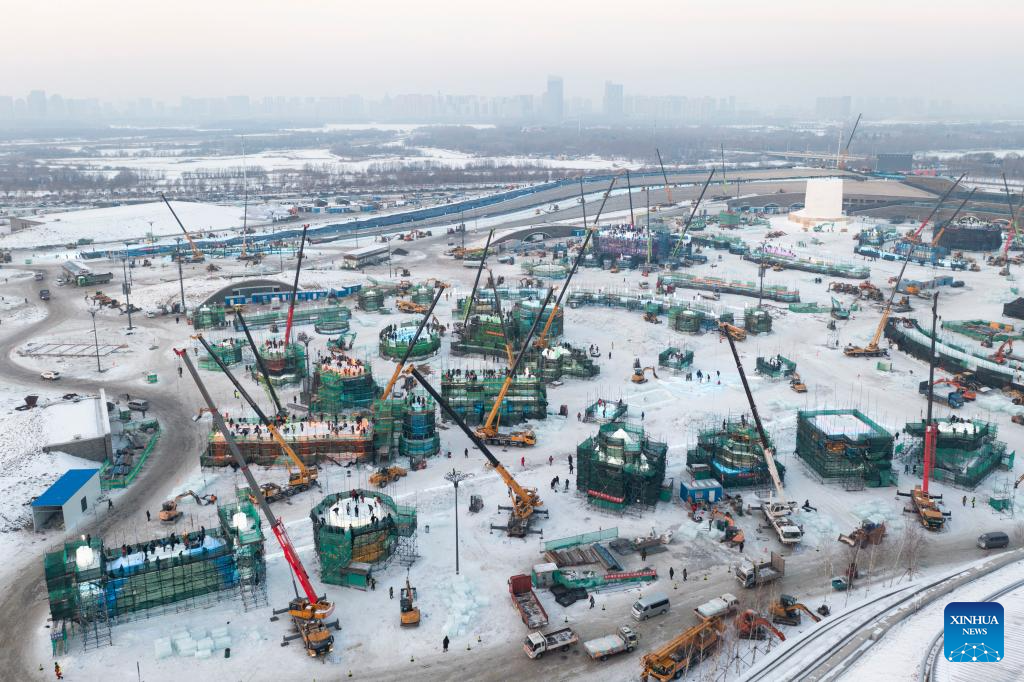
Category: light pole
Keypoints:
(456, 477)
(96, 340)
(181, 279)
(126, 287)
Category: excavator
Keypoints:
(725, 523)
(169, 512)
(302, 477)
(526, 502)
(1003, 352)
(410, 613)
(489, 432)
(197, 255)
(309, 613)
(752, 625)
(787, 610)
(873, 350)
(640, 373)
(776, 511)
(652, 318)
(968, 393)
(675, 658)
(797, 384)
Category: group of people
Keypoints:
(344, 365)
(704, 376)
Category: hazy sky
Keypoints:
(772, 49)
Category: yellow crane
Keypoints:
(501, 318)
(197, 255)
(872, 350)
(675, 658)
(400, 367)
(542, 340)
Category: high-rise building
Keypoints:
(37, 104)
(832, 108)
(613, 100)
(554, 99)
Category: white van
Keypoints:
(653, 604)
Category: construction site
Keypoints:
(642, 437)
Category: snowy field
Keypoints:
(473, 608)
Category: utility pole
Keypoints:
(181, 279)
(126, 287)
(456, 477)
(96, 339)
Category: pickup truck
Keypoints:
(719, 606)
(625, 639)
(526, 602)
(537, 644)
(752, 573)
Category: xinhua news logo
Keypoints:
(973, 632)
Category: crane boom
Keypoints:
(295, 288)
(281, 412)
(769, 455)
(938, 235)
(476, 282)
(488, 426)
(196, 253)
(501, 318)
(306, 473)
(1011, 229)
(629, 193)
(542, 340)
(668, 190)
(412, 342)
(841, 163)
(693, 212)
(607, 192)
(320, 607)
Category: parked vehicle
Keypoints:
(138, 405)
(624, 639)
(537, 644)
(994, 540)
(752, 573)
(652, 605)
(526, 602)
(955, 399)
(50, 375)
(719, 606)
(38, 276)
(44, 294)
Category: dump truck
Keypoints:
(526, 602)
(717, 607)
(537, 644)
(752, 573)
(954, 399)
(624, 639)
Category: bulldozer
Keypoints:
(410, 612)
(652, 318)
(169, 512)
(787, 611)
(752, 625)
(386, 476)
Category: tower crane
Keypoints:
(197, 255)
(872, 350)
(300, 480)
(525, 501)
(308, 612)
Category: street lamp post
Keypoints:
(456, 477)
(96, 339)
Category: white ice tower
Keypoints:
(823, 203)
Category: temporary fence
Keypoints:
(676, 359)
(581, 539)
(394, 341)
(733, 451)
(122, 470)
(966, 451)
(951, 357)
(342, 540)
(229, 351)
(845, 445)
(775, 367)
(816, 265)
(472, 394)
(716, 284)
(620, 466)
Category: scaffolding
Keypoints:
(733, 451)
(757, 321)
(285, 364)
(719, 285)
(229, 351)
(342, 539)
(966, 451)
(847, 446)
(676, 359)
(323, 437)
(370, 299)
(620, 467)
(472, 394)
(818, 266)
(777, 367)
(92, 588)
(598, 411)
(210, 317)
(394, 339)
(325, 315)
(564, 359)
(341, 383)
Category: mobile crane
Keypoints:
(501, 319)
(668, 190)
(489, 431)
(295, 291)
(841, 159)
(776, 512)
(309, 612)
(476, 282)
(197, 255)
(525, 501)
(542, 340)
(299, 480)
(872, 350)
(675, 658)
(400, 367)
(689, 218)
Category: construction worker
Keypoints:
(391, 593)
(965, 501)
(551, 460)
(57, 671)
(148, 516)
(591, 601)
(972, 503)
(684, 573)
(671, 573)
(444, 643)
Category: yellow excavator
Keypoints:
(386, 475)
(169, 512)
(640, 373)
(300, 478)
(873, 350)
(410, 613)
(675, 658)
(787, 611)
